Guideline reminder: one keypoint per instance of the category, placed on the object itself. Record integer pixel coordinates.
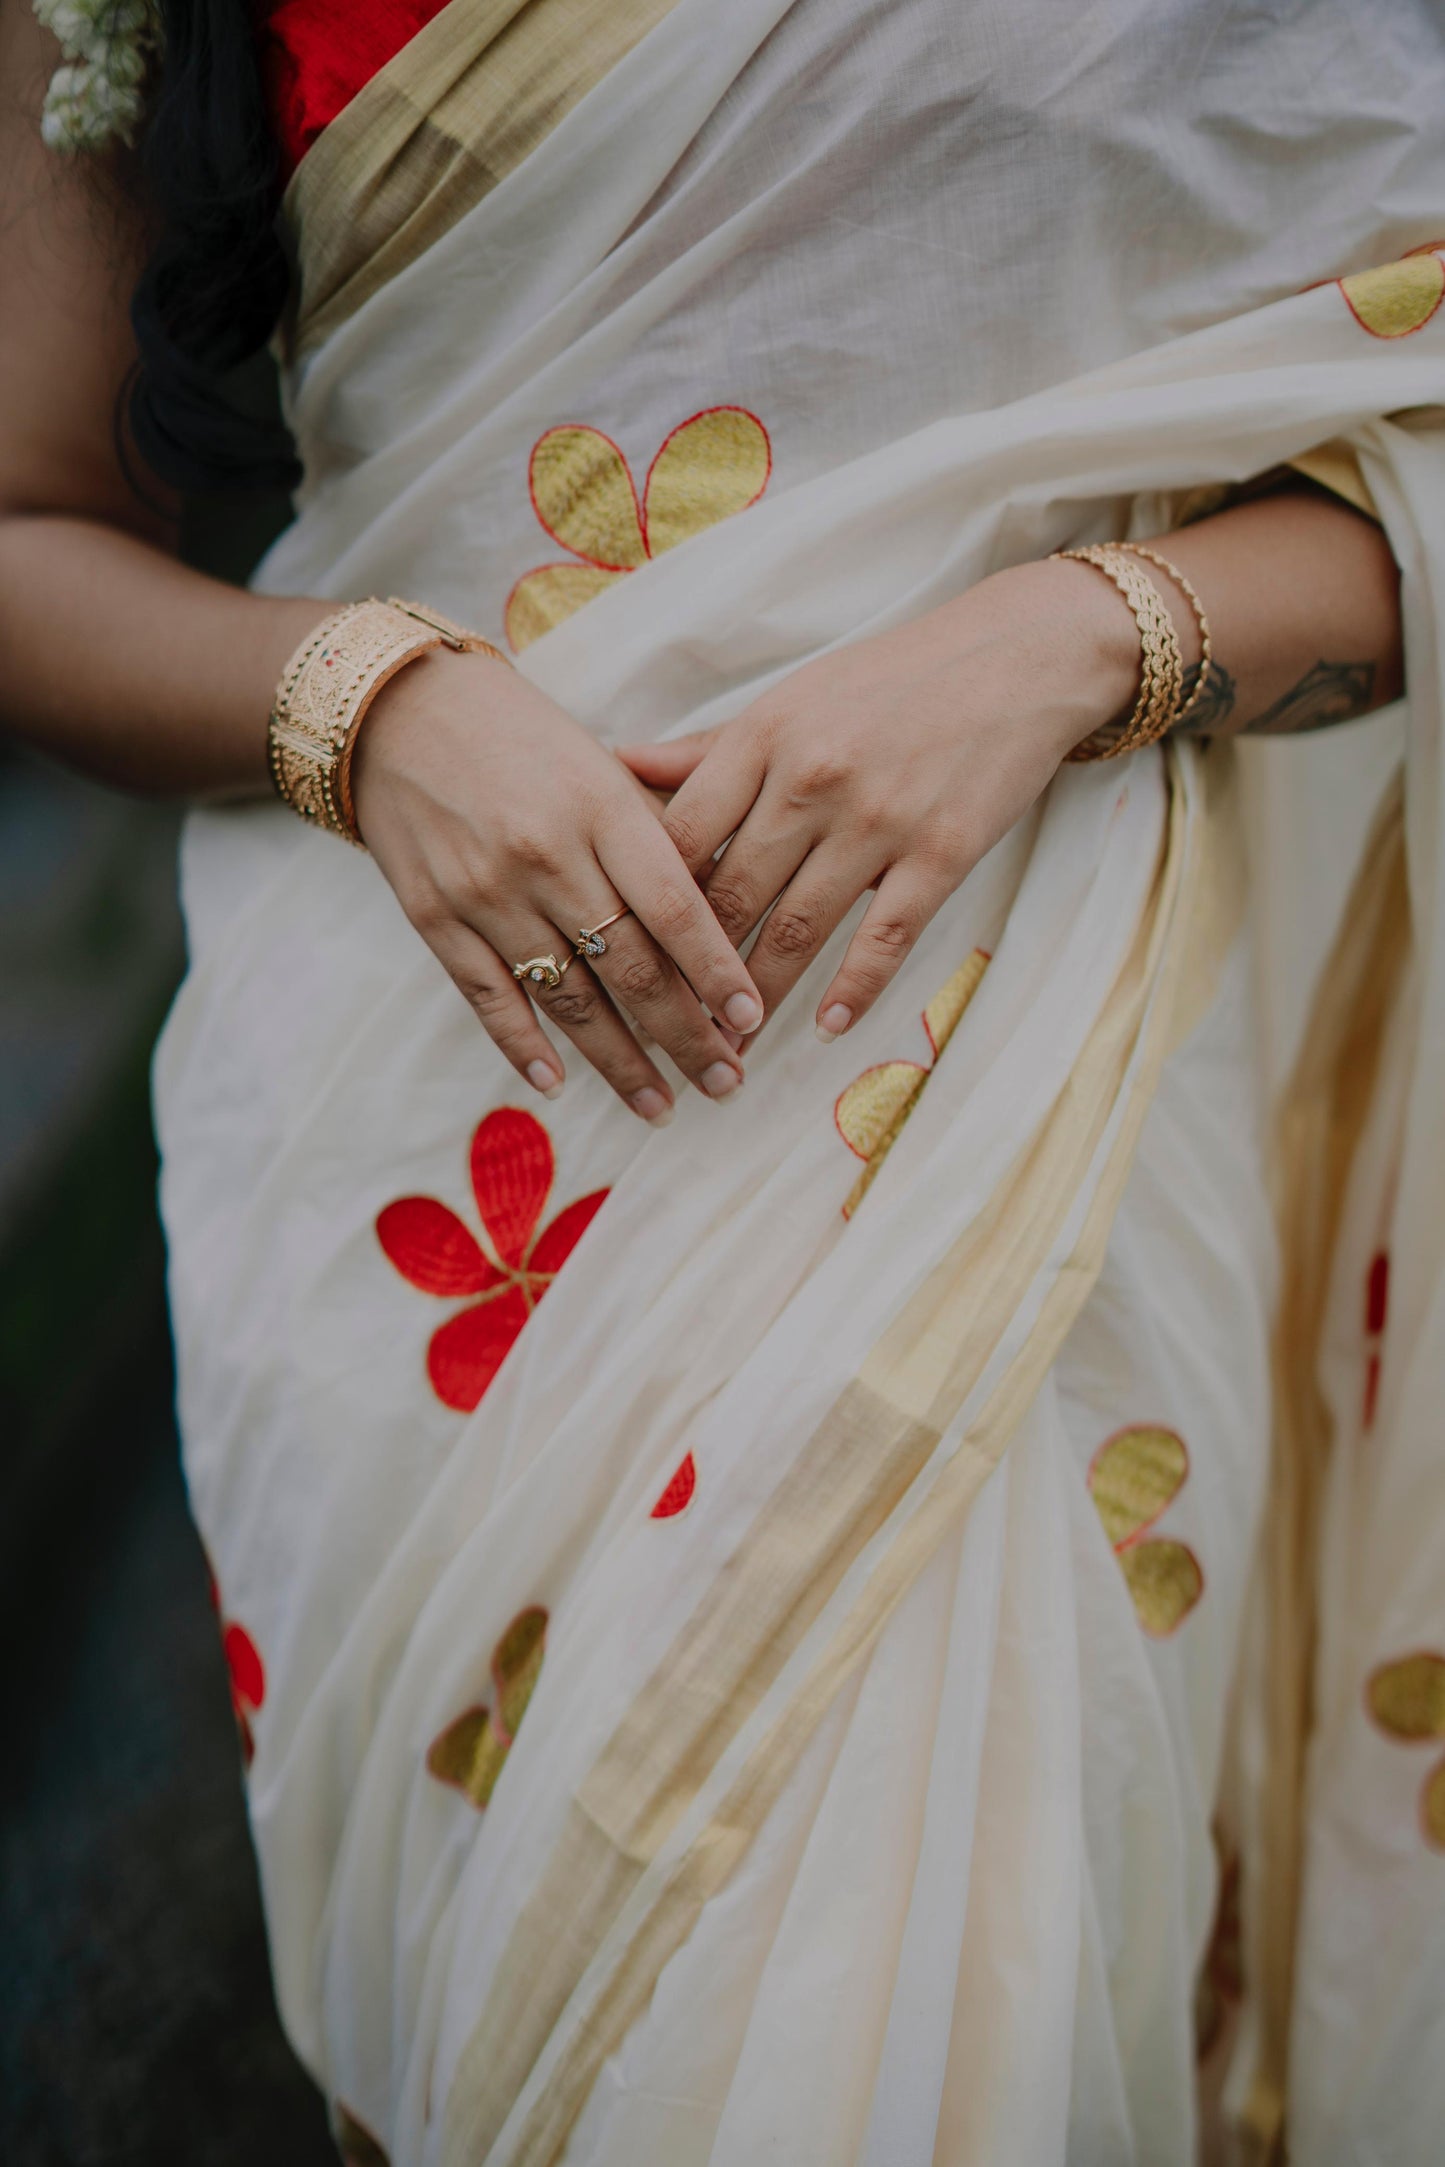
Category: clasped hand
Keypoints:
(892, 765)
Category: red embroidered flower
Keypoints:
(512, 1166)
(246, 1672)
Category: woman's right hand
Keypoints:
(504, 829)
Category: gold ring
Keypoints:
(542, 970)
(589, 941)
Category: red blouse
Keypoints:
(315, 55)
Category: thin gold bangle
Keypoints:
(1161, 671)
(1206, 644)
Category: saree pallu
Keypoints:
(735, 1627)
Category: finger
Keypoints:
(902, 907)
(500, 1005)
(657, 888)
(804, 918)
(578, 1007)
(716, 797)
(643, 979)
(764, 856)
(663, 767)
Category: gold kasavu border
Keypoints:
(448, 117)
(612, 1905)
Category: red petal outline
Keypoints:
(512, 1168)
(431, 1248)
(556, 1242)
(468, 1350)
(678, 1495)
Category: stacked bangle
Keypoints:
(1160, 704)
(326, 689)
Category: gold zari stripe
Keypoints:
(438, 127)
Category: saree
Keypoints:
(735, 1630)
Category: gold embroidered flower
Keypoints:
(582, 490)
(1133, 1478)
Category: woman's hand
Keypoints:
(893, 765)
(504, 830)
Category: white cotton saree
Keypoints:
(769, 1699)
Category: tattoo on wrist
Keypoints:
(1329, 692)
(1215, 704)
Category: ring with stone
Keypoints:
(541, 970)
(589, 941)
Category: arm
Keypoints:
(128, 664)
(897, 763)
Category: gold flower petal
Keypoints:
(1407, 1697)
(582, 492)
(468, 1755)
(714, 465)
(1432, 1807)
(516, 1667)
(1165, 1582)
(942, 1016)
(870, 1110)
(1396, 298)
(1134, 1475)
(546, 597)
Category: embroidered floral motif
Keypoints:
(1397, 298)
(678, 1495)
(512, 1166)
(1133, 1477)
(582, 490)
(470, 1752)
(245, 1670)
(354, 2141)
(1377, 1302)
(873, 1109)
(1406, 1698)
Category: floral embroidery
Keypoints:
(245, 1671)
(582, 490)
(1406, 1698)
(1397, 298)
(512, 1166)
(1133, 1477)
(871, 1112)
(1377, 1302)
(470, 1752)
(678, 1495)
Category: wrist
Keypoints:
(1094, 677)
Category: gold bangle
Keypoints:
(1161, 674)
(1206, 644)
(326, 689)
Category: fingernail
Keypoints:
(720, 1080)
(652, 1106)
(548, 1082)
(743, 1012)
(832, 1023)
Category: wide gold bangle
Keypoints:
(1161, 673)
(326, 689)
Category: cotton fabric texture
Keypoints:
(787, 1707)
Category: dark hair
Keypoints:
(215, 284)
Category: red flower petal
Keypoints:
(429, 1245)
(678, 1494)
(512, 1166)
(556, 1242)
(465, 1355)
(248, 1678)
(1377, 1293)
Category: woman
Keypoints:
(739, 376)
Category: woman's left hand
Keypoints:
(895, 764)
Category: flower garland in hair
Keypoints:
(97, 96)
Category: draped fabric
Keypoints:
(736, 1628)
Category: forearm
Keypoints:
(1303, 601)
(125, 663)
